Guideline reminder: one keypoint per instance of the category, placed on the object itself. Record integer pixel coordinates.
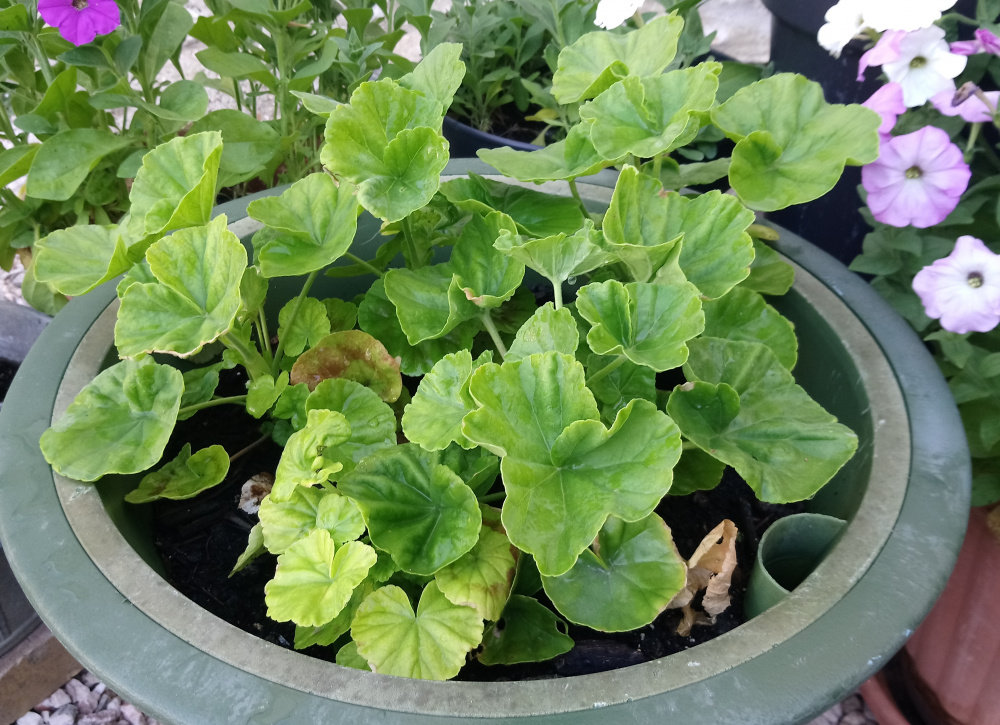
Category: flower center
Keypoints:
(918, 62)
(79, 4)
(975, 279)
(914, 172)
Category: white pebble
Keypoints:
(65, 715)
(54, 701)
(132, 715)
(82, 695)
(104, 717)
(31, 718)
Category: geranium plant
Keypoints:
(453, 445)
(931, 199)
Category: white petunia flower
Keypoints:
(844, 21)
(925, 65)
(904, 14)
(612, 13)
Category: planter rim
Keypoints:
(896, 532)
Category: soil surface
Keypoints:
(200, 539)
(7, 370)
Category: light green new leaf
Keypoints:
(648, 323)
(263, 391)
(744, 315)
(63, 161)
(438, 75)
(429, 303)
(430, 644)
(623, 582)
(784, 158)
(195, 298)
(487, 276)
(308, 457)
(416, 508)
(482, 578)
(535, 212)
(746, 410)
(548, 329)
(254, 548)
(77, 259)
(651, 116)
(433, 419)
(567, 159)
(306, 509)
(531, 632)
(184, 477)
(377, 317)
(119, 423)
(595, 61)
(302, 323)
(315, 578)
(372, 421)
(560, 256)
(175, 187)
(309, 226)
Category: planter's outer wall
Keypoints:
(787, 683)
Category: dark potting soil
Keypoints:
(7, 370)
(200, 540)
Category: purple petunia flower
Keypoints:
(80, 21)
(984, 42)
(962, 289)
(917, 179)
(887, 102)
(972, 104)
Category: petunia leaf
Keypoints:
(429, 644)
(744, 408)
(119, 423)
(624, 581)
(184, 477)
(64, 160)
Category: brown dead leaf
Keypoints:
(710, 568)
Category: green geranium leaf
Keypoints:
(563, 471)
(308, 508)
(253, 292)
(624, 581)
(487, 276)
(184, 477)
(430, 644)
(531, 632)
(387, 142)
(651, 116)
(429, 302)
(481, 578)
(433, 419)
(535, 213)
(770, 274)
(63, 161)
(347, 656)
(119, 423)
(372, 421)
(354, 355)
(291, 405)
(745, 409)
(309, 226)
(624, 382)
(716, 250)
(175, 187)
(195, 298)
(77, 259)
(254, 548)
(308, 457)
(263, 392)
(567, 159)
(744, 315)
(343, 315)
(648, 323)
(696, 471)
(416, 508)
(377, 317)
(595, 61)
(560, 256)
(438, 75)
(785, 158)
(302, 322)
(315, 578)
(548, 329)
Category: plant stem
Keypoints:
(557, 293)
(607, 370)
(276, 363)
(265, 336)
(576, 195)
(364, 263)
(491, 497)
(491, 328)
(195, 407)
(249, 448)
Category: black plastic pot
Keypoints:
(19, 327)
(466, 140)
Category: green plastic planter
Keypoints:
(86, 562)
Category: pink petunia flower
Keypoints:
(887, 102)
(917, 179)
(962, 289)
(983, 42)
(884, 51)
(972, 105)
(80, 21)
